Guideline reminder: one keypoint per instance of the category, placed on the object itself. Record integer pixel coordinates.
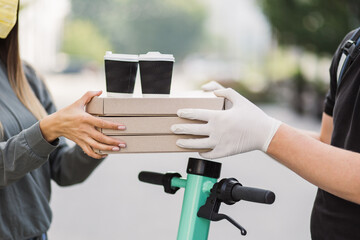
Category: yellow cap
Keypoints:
(8, 16)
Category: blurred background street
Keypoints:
(276, 53)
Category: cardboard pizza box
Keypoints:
(145, 125)
(152, 144)
(153, 106)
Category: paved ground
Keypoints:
(113, 204)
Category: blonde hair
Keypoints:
(10, 55)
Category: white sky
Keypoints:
(243, 25)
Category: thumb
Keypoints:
(211, 86)
(229, 94)
(86, 98)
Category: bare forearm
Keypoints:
(326, 130)
(332, 169)
(312, 134)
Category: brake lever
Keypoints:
(219, 216)
(210, 210)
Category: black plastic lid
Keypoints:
(204, 168)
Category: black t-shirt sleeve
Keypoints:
(329, 103)
(331, 95)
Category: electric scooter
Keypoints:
(203, 196)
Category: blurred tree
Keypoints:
(315, 25)
(83, 41)
(139, 26)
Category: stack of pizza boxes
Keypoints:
(148, 120)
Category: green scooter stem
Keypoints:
(197, 189)
(203, 196)
(202, 175)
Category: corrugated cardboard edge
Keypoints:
(96, 106)
(153, 144)
(149, 106)
(157, 106)
(145, 125)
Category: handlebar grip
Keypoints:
(252, 194)
(151, 177)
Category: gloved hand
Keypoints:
(211, 86)
(242, 128)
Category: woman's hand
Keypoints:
(75, 124)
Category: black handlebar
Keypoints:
(160, 179)
(227, 190)
(238, 192)
(151, 177)
(252, 194)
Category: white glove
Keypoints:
(211, 86)
(242, 128)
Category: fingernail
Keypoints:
(121, 127)
(179, 112)
(122, 145)
(115, 149)
(173, 128)
(182, 112)
(104, 156)
(178, 142)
